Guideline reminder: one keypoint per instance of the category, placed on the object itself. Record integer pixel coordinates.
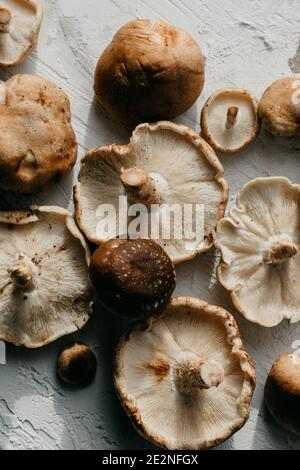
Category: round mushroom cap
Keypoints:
(279, 107)
(259, 243)
(45, 292)
(186, 382)
(282, 392)
(229, 120)
(20, 22)
(37, 142)
(150, 71)
(165, 166)
(133, 278)
(77, 364)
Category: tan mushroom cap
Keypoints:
(20, 22)
(282, 392)
(44, 288)
(279, 107)
(186, 381)
(171, 164)
(37, 142)
(229, 120)
(259, 243)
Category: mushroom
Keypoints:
(230, 120)
(186, 382)
(259, 243)
(76, 364)
(150, 71)
(282, 392)
(44, 288)
(37, 142)
(164, 164)
(132, 277)
(279, 107)
(20, 22)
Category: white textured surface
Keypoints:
(247, 44)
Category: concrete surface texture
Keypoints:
(248, 45)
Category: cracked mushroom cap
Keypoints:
(164, 164)
(282, 392)
(43, 257)
(279, 107)
(20, 22)
(150, 71)
(259, 243)
(37, 142)
(229, 120)
(186, 381)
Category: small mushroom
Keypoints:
(230, 120)
(133, 278)
(77, 364)
(259, 244)
(150, 71)
(165, 165)
(37, 142)
(44, 288)
(282, 392)
(279, 107)
(20, 22)
(186, 382)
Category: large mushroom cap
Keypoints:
(282, 392)
(20, 22)
(279, 107)
(45, 292)
(37, 142)
(164, 164)
(259, 243)
(229, 120)
(186, 381)
(150, 71)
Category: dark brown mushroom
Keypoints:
(132, 277)
(77, 364)
(282, 392)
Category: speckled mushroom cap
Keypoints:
(186, 381)
(37, 142)
(229, 120)
(45, 292)
(164, 164)
(259, 243)
(279, 107)
(133, 278)
(150, 71)
(282, 392)
(20, 22)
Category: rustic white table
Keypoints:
(247, 44)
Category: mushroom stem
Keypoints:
(281, 252)
(139, 186)
(22, 273)
(5, 19)
(232, 113)
(193, 374)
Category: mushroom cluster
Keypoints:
(186, 381)
(43, 256)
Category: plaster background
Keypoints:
(247, 44)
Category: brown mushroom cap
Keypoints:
(279, 107)
(150, 71)
(20, 22)
(77, 364)
(186, 381)
(37, 142)
(282, 392)
(132, 277)
(229, 120)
